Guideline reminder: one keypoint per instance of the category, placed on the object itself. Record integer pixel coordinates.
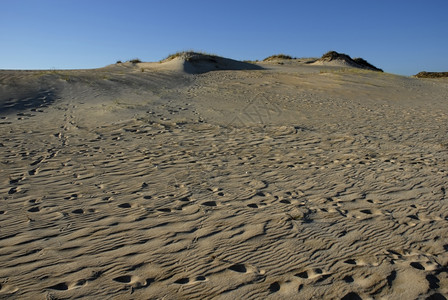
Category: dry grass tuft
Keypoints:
(356, 62)
(431, 74)
(364, 63)
(278, 56)
(189, 55)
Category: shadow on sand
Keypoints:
(38, 100)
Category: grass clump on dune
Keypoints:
(332, 55)
(356, 62)
(431, 74)
(364, 63)
(278, 56)
(188, 55)
(135, 61)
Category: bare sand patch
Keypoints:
(285, 181)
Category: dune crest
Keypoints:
(334, 58)
(196, 63)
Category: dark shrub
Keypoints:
(277, 56)
(431, 74)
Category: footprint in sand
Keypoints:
(123, 279)
(350, 262)
(182, 281)
(17, 180)
(351, 296)
(391, 277)
(312, 274)
(359, 262)
(167, 210)
(33, 171)
(274, 287)
(135, 281)
(364, 213)
(433, 281)
(78, 211)
(34, 209)
(201, 278)
(417, 265)
(12, 191)
(425, 266)
(240, 268)
(303, 275)
(59, 287)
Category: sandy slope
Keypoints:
(291, 182)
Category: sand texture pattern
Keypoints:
(289, 181)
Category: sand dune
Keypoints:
(197, 63)
(333, 58)
(167, 181)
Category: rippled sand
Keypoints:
(292, 182)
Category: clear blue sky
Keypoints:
(402, 37)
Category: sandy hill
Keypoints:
(196, 63)
(273, 181)
(340, 59)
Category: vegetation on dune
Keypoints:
(333, 55)
(362, 63)
(278, 56)
(177, 54)
(201, 62)
(135, 61)
(192, 55)
(188, 55)
(425, 74)
(366, 64)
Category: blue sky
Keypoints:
(402, 37)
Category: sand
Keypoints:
(172, 181)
